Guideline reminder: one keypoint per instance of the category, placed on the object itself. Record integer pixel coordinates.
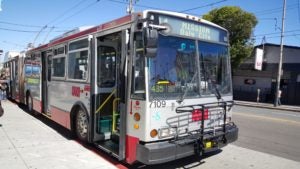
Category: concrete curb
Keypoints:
(268, 106)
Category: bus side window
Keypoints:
(107, 66)
(78, 60)
(58, 67)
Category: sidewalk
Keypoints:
(28, 142)
(268, 106)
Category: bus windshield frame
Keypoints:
(187, 64)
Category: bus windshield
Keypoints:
(187, 68)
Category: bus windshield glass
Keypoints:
(185, 68)
(174, 69)
(191, 62)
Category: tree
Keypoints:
(240, 25)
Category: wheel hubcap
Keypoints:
(82, 123)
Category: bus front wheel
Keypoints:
(81, 125)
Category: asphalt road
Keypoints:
(270, 131)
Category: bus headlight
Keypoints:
(166, 132)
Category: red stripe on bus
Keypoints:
(130, 150)
(115, 23)
(37, 105)
(61, 117)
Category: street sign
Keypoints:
(259, 53)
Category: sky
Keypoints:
(38, 21)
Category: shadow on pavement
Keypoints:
(185, 163)
(58, 128)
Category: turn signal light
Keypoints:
(136, 126)
(137, 117)
(153, 133)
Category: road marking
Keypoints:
(285, 121)
(287, 114)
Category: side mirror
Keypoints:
(150, 41)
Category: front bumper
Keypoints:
(156, 153)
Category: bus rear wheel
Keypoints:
(81, 125)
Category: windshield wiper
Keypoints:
(186, 89)
(208, 77)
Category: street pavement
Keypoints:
(268, 130)
(28, 142)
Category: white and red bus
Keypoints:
(152, 87)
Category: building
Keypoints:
(248, 83)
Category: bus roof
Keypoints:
(111, 24)
(118, 22)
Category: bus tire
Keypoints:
(81, 125)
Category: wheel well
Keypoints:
(73, 112)
(73, 117)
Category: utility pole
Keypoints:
(280, 57)
(130, 7)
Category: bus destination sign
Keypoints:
(192, 29)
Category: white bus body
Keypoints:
(150, 87)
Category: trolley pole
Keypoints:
(280, 57)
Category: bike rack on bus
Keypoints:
(196, 137)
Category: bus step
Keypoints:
(115, 137)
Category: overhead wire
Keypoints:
(29, 26)
(27, 31)
(23, 25)
(58, 19)
(65, 12)
(275, 10)
(18, 30)
(8, 42)
(203, 6)
(287, 35)
(78, 12)
(274, 33)
(42, 28)
(46, 37)
(136, 5)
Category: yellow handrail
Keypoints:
(114, 116)
(106, 100)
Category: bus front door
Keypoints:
(109, 102)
